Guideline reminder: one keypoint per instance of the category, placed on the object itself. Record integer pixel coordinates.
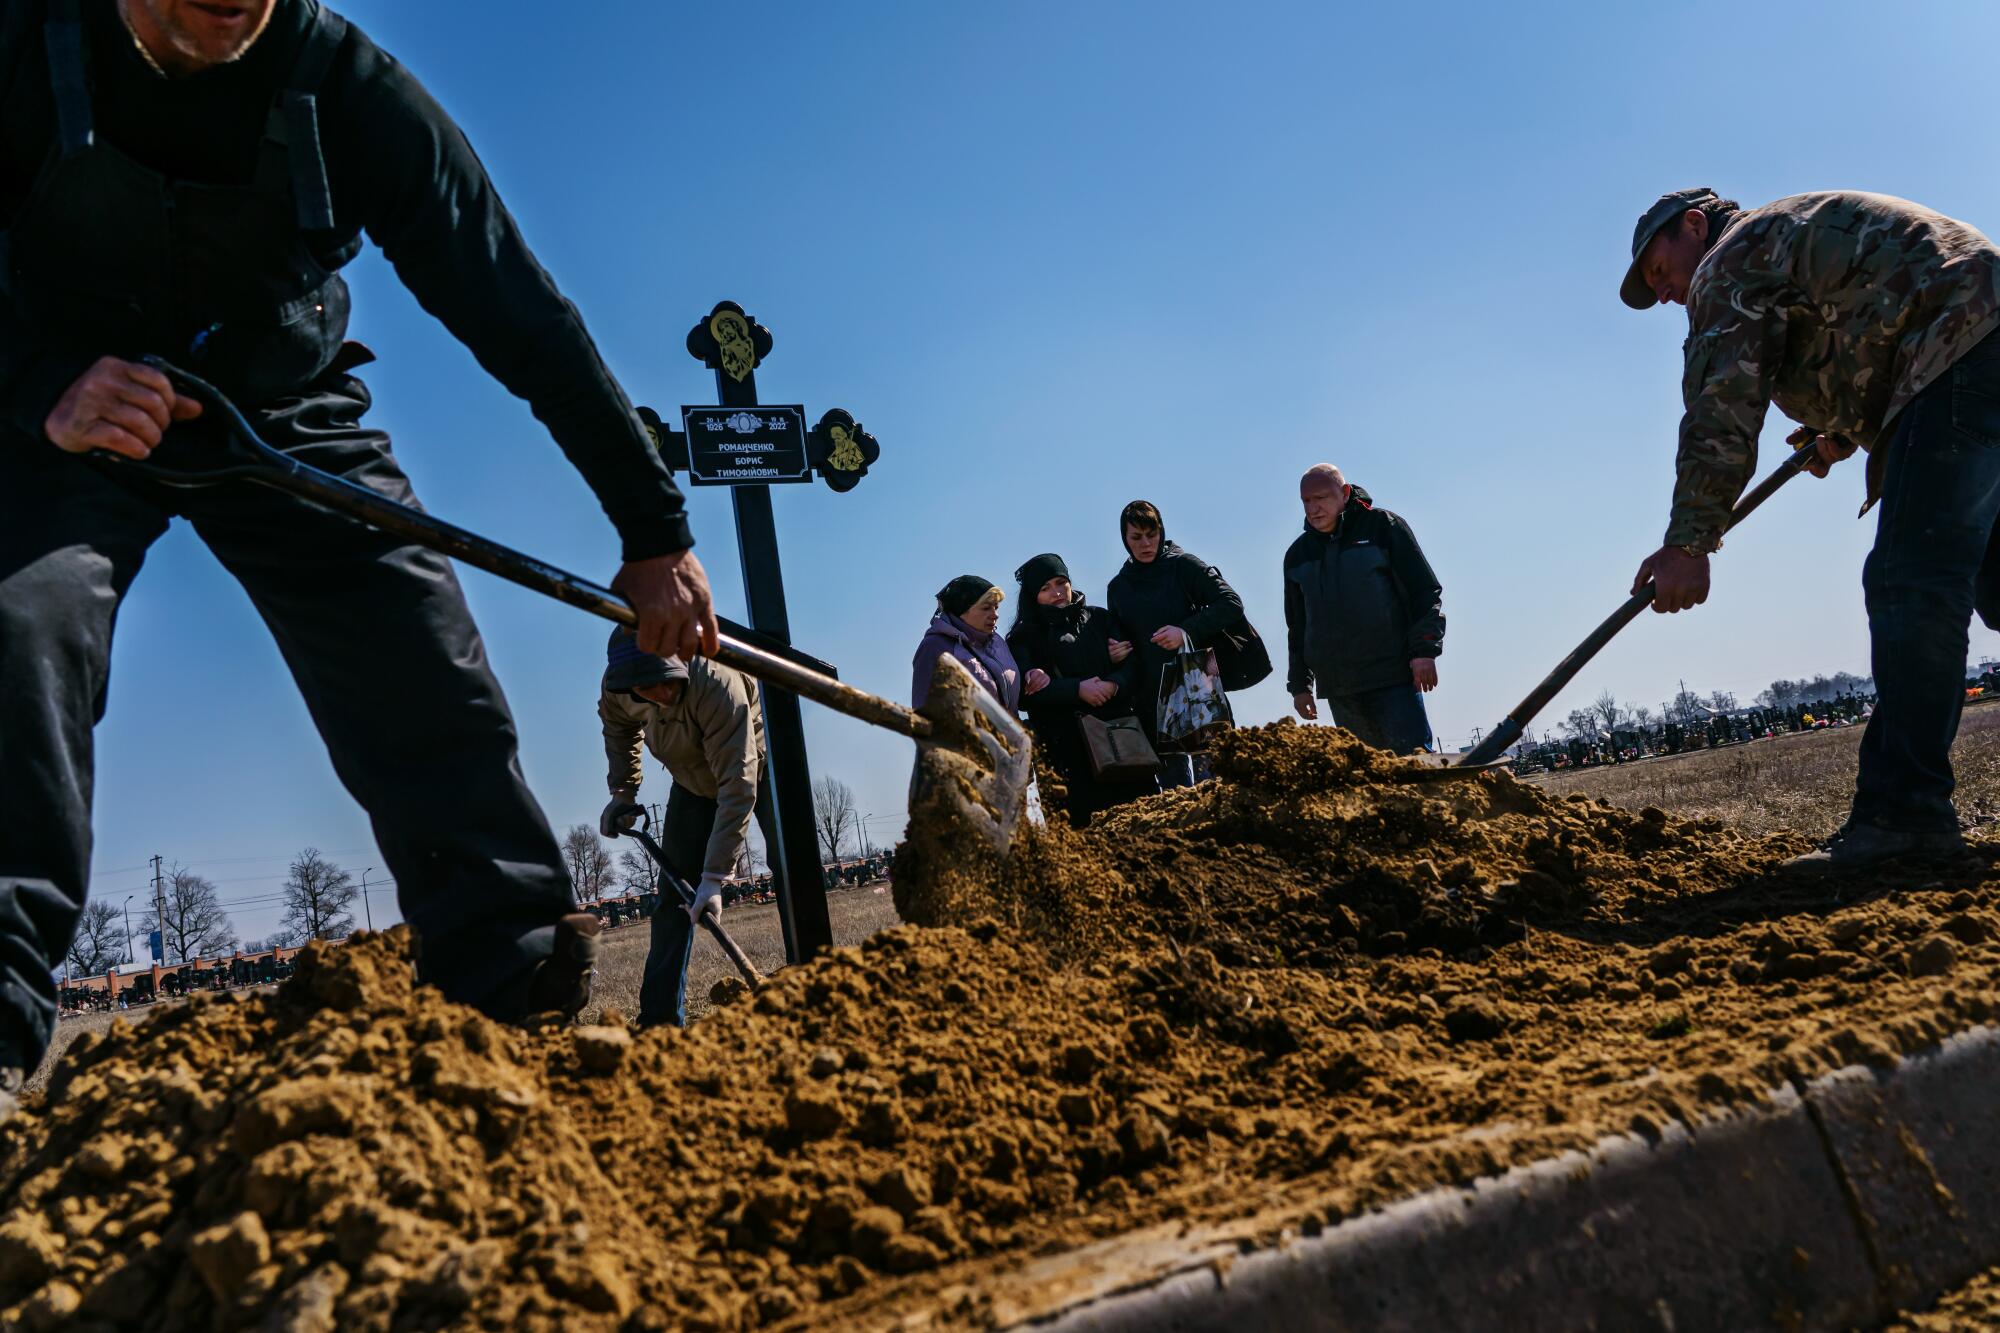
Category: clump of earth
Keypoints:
(1308, 988)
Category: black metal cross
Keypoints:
(748, 446)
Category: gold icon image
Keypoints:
(845, 456)
(732, 338)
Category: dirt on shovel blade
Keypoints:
(1293, 993)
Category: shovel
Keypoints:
(708, 922)
(1488, 752)
(972, 756)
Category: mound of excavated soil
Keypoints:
(1305, 989)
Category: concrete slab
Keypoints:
(1740, 1224)
(1918, 1146)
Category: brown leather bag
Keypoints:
(1119, 750)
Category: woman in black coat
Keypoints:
(1074, 664)
(1164, 598)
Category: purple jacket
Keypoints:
(986, 656)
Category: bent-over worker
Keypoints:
(704, 722)
(1871, 321)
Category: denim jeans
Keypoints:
(1392, 718)
(683, 839)
(1936, 560)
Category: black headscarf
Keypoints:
(1039, 571)
(963, 593)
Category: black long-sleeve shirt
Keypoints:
(400, 171)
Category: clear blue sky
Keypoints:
(1057, 257)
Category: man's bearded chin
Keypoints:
(186, 45)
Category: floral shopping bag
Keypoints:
(1192, 702)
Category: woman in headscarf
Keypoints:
(1075, 664)
(1165, 599)
(966, 627)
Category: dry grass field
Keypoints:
(1800, 783)
(856, 914)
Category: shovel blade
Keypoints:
(973, 770)
(1442, 768)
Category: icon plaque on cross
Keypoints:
(728, 446)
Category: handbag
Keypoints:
(1242, 659)
(1191, 699)
(1118, 749)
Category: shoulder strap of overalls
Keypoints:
(295, 119)
(69, 75)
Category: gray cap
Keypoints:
(627, 667)
(1635, 290)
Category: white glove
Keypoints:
(707, 898)
(619, 812)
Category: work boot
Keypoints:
(11, 1082)
(560, 983)
(1859, 846)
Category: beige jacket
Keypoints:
(712, 744)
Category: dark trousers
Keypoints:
(376, 634)
(1391, 718)
(684, 834)
(1087, 796)
(1936, 560)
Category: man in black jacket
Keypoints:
(185, 179)
(1364, 615)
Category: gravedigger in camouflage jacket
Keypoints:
(1840, 307)
(1875, 323)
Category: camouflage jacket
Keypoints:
(1840, 308)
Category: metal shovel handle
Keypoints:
(1516, 721)
(243, 455)
(751, 976)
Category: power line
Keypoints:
(228, 860)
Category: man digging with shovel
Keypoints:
(1873, 321)
(703, 721)
(184, 179)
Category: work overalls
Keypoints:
(238, 283)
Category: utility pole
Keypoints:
(366, 910)
(159, 908)
(128, 925)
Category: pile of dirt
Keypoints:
(1974, 1305)
(1298, 992)
(1312, 849)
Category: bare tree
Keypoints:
(1605, 709)
(1722, 701)
(637, 871)
(1581, 724)
(756, 857)
(317, 894)
(589, 863)
(1786, 693)
(195, 924)
(833, 814)
(99, 940)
